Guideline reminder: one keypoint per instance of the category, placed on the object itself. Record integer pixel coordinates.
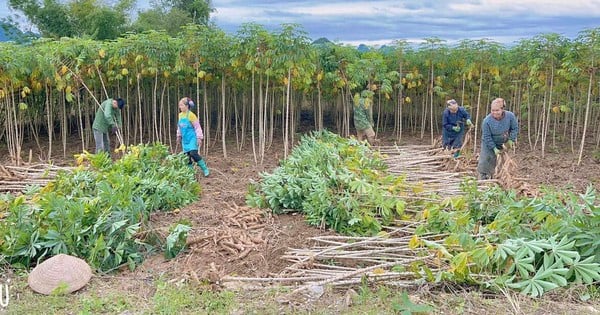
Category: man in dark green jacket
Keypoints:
(363, 116)
(108, 119)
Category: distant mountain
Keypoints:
(10, 33)
(322, 41)
(363, 48)
(3, 36)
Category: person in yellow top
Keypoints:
(189, 132)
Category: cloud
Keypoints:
(385, 20)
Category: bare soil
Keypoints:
(229, 238)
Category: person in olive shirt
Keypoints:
(363, 116)
(108, 119)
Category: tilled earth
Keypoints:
(230, 238)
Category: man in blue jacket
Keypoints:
(454, 120)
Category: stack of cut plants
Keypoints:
(99, 210)
(425, 166)
(19, 178)
(491, 238)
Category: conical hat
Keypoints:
(60, 271)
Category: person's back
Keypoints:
(363, 116)
(108, 118)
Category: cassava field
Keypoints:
(297, 216)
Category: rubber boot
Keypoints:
(204, 168)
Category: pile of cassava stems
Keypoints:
(392, 256)
(15, 179)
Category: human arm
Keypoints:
(486, 135)
(446, 124)
(466, 116)
(197, 128)
(514, 128)
(107, 111)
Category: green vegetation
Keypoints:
(99, 212)
(492, 238)
(335, 182)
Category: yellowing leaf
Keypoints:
(124, 71)
(378, 271)
(414, 242)
(418, 188)
(425, 213)
(383, 234)
(101, 53)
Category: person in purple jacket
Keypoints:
(499, 130)
(454, 120)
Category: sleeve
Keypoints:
(486, 137)
(446, 120)
(514, 128)
(120, 118)
(178, 129)
(108, 112)
(370, 114)
(197, 128)
(465, 113)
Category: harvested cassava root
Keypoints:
(240, 232)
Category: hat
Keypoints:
(451, 102)
(120, 103)
(58, 271)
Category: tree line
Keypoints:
(105, 20)
(255, 84)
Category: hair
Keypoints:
(500, 101)
(188, 102)
(121, 103)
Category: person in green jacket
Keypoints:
(108, 119)
(363, 116)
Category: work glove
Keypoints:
(114, 129)
(456, 128)
(510, 144)
(469, 123)
(496, 151)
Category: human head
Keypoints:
(186, 104)
(118, 103)
(497, 108)
(452, 105)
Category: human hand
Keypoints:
(496, 151)
(199, 142)
(114, 129)
(456, 128)
(510, 144)
(469, 122)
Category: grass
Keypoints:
(139, 295)
(99, 297)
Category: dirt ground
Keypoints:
(229, 238)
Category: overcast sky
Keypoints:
(382, 21)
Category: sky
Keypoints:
(380, 22)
